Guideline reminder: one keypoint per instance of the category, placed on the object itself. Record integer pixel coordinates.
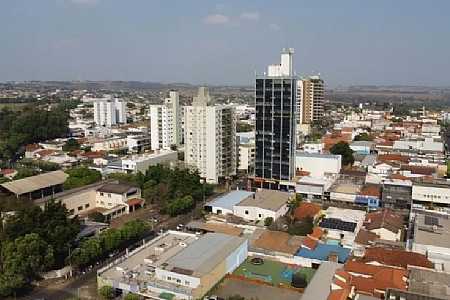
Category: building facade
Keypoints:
(165, 123)
(276, 104)
(109, 111)
(310, 99)
(210, 138)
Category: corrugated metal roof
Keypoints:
(229, 200)
(34, 183)
(204, 254)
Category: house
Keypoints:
(358, 277)
(263, 204)
(314, 188)
(342, 224)
(251, 206)
(394, 258)
(362, 147)
(8, 173)
(307, 210)
(176, 265)
(225, 204)
(109, 198)
(385, 223)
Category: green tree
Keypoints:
(268, 221)
(22, 261)
(106, 292)
(131, 296)
(364, 136)
(71, 145)
(81, 176)
(180, 205)
(343, 149)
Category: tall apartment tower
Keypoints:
(109, 111)
(276, 104)
(165, 123)
(310, 99)
(210, 137)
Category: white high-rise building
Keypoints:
(165, 123)
(210, 138)
(109, 111)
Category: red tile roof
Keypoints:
(32, 147)
(45, 152)
(135, 201)
(384, 218)
(421, 170)
(396, 258)
(370, 279)
(393, 157)
(7, 171)
(316, 234)
(309, 243)
(371, 190)
(364, 237)
(306, 209)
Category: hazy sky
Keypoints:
(225, 42)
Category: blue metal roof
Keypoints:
(322, 251)
(229, 200)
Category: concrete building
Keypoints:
(210, 138)
(138, 143)
(165, 123)
(109, 198)
(109, 111)
(251, 206)
(109, 144)
(431, 193)
(310, 99)
(396, 193)
(141, 162)
(317, 165)
(176, 265)
(431, 237)
(263, 204)
(314, 188)
(276, 104)
(245, 152)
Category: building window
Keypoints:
(187, 283)
(109, 204)
(86, 206)
(101, 194)
(109, 195)
(260, 215)
(80, 207)
(246, 212)
(169, 278)
(72, 211)
(178, 280)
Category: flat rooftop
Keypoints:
(432, 230)
(155, 253)
(429, 282)
(316, 155)
(202, 256)
(230, 199)
(346, 188)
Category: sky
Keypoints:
(349, 42)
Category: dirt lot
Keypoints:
(248, 290)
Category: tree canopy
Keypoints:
(364, 136)
(71, 145)
(34, 240)
(175, 191)
(31, 125)
(81, 176)
(343, 149)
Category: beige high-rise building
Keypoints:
(310, 99)
(210, 137)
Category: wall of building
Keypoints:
(431, 194)
(256, 213)
(318, 165)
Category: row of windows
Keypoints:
(177, 280)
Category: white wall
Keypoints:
(318, 165)
(256, 213)
(431, 194)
